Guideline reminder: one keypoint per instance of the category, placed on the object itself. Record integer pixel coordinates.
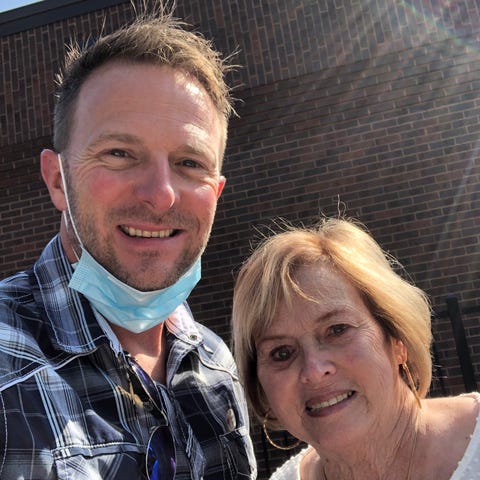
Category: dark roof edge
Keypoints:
(48, 11)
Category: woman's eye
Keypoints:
(338, 329)
(281, 354)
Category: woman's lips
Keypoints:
(315, 407)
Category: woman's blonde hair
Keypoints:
(267, 280)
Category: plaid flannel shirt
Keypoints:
(70, 409)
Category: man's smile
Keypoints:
(135, 232)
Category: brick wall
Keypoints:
(373, 111)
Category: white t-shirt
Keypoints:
(468, 467)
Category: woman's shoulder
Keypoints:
(468, 466)
(453, 417)
(474, 395)
(290, 470)
(465, 405)
(451, 424)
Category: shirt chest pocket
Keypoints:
(237, 453)
(92, 441)
(98, 462)
(212, 403)
(58, 434)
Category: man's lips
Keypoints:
(318, 406)
(135, 232)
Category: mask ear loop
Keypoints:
(69, 210)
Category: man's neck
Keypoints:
(149, 348)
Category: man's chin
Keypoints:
(148, 282)
(150, 274)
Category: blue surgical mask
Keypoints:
(124, 305)
(121, 304)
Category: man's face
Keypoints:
(143, 171)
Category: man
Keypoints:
(103, 372)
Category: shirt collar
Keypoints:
(181, 324)
(75, 326)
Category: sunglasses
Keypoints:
(160, 458)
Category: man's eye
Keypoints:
(188, 162)
(281, 354)
(118, 153)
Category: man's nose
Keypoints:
(157, 186)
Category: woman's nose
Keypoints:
(157, 186)
(317, 364)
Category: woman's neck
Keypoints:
(388, 452)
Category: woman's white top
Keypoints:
(468, 467)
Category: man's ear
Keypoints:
(52, 176)
(221, 183)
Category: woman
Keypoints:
(334, 346)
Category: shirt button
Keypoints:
(193, 337)
(148, 406)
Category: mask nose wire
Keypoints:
(69, 210)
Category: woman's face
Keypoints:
(327, 369)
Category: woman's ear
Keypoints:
(52, 176)
(399, 351)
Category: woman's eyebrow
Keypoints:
(270, 338)
(321, 318)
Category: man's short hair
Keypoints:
(154, 38)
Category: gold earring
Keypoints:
(411, 384)
(270, 441)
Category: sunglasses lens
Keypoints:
(161, 464)
(160, 459)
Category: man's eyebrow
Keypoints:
(117, 136)
(191, 149)
(206, 153)
(202, 151)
